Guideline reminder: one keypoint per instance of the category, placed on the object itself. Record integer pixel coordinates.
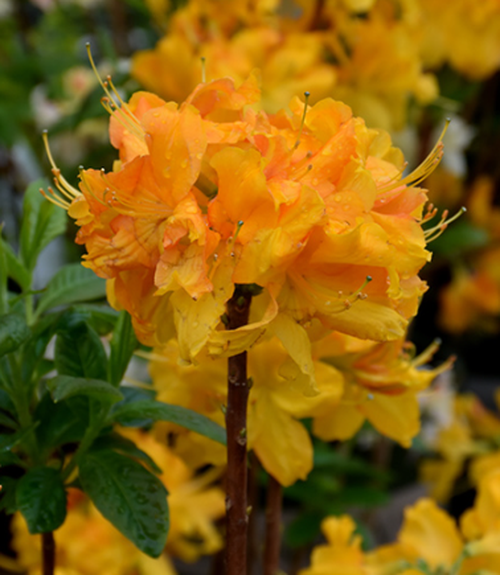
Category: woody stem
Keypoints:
(48, 553)
(273, 526)
(238, 308)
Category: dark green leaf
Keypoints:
(117, 442)
(10, 440)
(42, 222)
(100, 317)
(129, 496)
(61, 423)
(13, 332)
(34, 348)
(15, 268)
(80, 353)
(158, 411)
(41, 498)
(8, 494)
(6, 402)
(123, 345)
(65, 386)
(73, 283)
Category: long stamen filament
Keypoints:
(424, 170)
(432, 233)
(306, 99)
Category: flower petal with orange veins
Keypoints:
(281, 443)
(432, 533)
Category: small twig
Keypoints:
(48, 553)
(273, 527)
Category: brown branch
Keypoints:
(273, 527)
(238, 308)
(48, 553)
(253, 502)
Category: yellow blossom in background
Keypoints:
(373, 64)
(381, 385)
(464, 33)
(429, 541)
(472, 435)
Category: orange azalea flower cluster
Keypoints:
(356, 380)
(87, 544)
(429, 541)
(373, 63)
(311, 205)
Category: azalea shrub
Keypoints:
(249, 257)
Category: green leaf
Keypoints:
(79, 352)
(41, 498)
(100, 317)
(117, 442)
(123, 345)
(13, 332)
(158, 411)
(9, 440)
(73, 283)
(61, 423)
(42, 222)
(65, 386)
(8, 494)
(128, 496)
(34, 348)
(15, 268)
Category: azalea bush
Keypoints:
(249, 265)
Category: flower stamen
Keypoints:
(423, 171)
(432, 233)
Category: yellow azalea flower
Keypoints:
(484, 517)
(280, 441)
(310, 205)
(374, 63)
(428, 541)
(381, 386)
(380, 63)
(465, 34)
(342, 555)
